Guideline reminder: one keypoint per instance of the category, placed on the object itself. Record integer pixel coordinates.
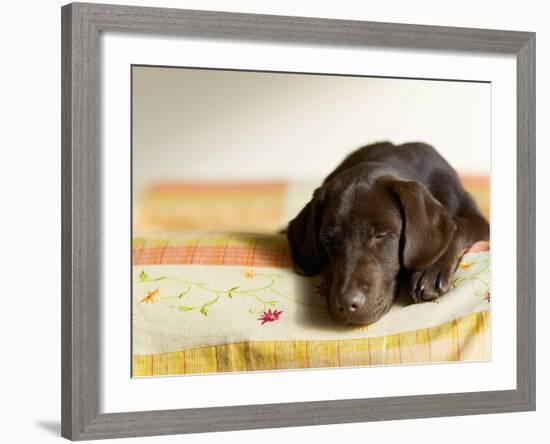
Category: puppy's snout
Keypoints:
(352, 302)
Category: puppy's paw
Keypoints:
(435, 281)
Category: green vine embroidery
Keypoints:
(468, 271)
(262, 295)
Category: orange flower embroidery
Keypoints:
(249, 274)
(465, 265)
(150, 297)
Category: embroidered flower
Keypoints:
(270, 316)
(249, 274)
(150, 297)
(321, 289)
(488, 297)
(465, 265)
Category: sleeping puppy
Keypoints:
(385, 214)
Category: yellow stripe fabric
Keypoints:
(463, 339)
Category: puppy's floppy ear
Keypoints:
(428, 226)
(303, 237)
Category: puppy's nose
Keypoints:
(352, 302)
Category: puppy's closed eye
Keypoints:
(381, 234)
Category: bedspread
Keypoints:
(241, 206)
(222, 302)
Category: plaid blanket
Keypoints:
(247, 249)
(219, 302)
(255, 206)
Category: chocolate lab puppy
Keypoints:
(385, 214)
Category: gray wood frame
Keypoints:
(81, 230)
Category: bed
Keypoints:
(214, 291)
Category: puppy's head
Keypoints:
(359, 232)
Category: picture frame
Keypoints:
(82, 166)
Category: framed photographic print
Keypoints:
(278, 221)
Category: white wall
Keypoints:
(205, 124)
(30, 189)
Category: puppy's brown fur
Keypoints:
(385, 212)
